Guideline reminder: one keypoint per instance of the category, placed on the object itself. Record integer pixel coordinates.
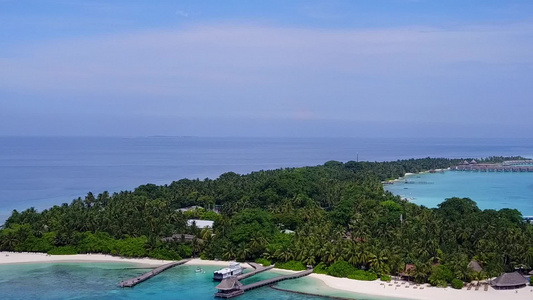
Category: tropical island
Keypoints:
(336, 217)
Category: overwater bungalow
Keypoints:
(229, 288)
(509, 281)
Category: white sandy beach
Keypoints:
(406, 175)
(375, 288)
(428, 293)
(29, 257)
(26, 257)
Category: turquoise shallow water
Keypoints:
(99, 281)
(491, 190)
(317, 287)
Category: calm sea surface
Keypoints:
(43, 171)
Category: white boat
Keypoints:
(234, 269)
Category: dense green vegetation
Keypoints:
(292, 265)
(336, 217)
(264, 262)
(457, 284)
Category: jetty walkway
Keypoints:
(275, 280)
(258, 269)
(134, 281)
(231, 287)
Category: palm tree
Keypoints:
(270, 252)
(422, 270)
(8, 240)
(309, 260)
(378, 262)
(242, 251)
(529, 257)
(284, 254)
(228, 252)
(351, 253)
(257, 244)
(206, 234)
(328, 253)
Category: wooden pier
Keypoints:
(134, 281)
(271, 281)
(231, 287)
(257, 269)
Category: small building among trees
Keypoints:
(509, 281)
(200, 223)
(474, 266)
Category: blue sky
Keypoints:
(267, 68)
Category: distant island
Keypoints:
(519, 165)
(336, 217)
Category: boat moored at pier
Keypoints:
(234, 269)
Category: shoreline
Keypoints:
(411, 174)
(375, 288)
(378, 288)
(13, 258)
(275, 287)
(406, 176)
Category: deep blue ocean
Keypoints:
(44, 171)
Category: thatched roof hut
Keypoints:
(409, 269)
(474, 266)
(228, 288)
(229, 284)
(508, 281)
